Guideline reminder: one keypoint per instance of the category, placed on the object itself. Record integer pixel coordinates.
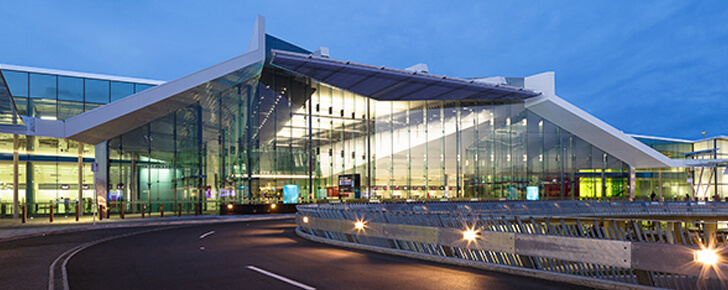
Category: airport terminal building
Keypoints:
(283, 122)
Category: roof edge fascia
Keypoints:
(589, 128)
(76, 74)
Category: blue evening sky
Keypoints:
(647, 67)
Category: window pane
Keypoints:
(21, 104)
(17, 82)
(43, 86)
(121, 90)
(70, 89)
(69, 109)
(142, 87)
(97, 91)
(44, 109)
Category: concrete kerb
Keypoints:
(29, 231)
(557, 277)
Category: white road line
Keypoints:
(51, 273)
(279, 277)
(72, 252)
(206, 234)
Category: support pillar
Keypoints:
(101, 177)
(632, 182)
(659, 183)
(80, 178)
(604, 185)
(30, 187)
(133, 191)
(16, 186)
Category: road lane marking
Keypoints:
(279, 277)
(206, 234)
(72, 252)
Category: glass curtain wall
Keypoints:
(271, 134)
(416, 149)
(206, 151)
(48, 168)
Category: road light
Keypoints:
(469, 235)
(273, 206)
(305, 220)
(230, 206)
(359, 225)
(706, 256)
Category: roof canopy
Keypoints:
(387, 84)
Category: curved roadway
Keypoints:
(264, 255)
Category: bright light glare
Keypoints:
(469, 235)
(273, 206)
(708, 257)
(230, 206)
(305, 220)
(359, 225)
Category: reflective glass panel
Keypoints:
(42, 86)
(17, 82)
(70, 89)
(97, 91)
(120, 90)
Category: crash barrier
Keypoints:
(580, 239)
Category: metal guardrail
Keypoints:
(580, 238)
(559, 208)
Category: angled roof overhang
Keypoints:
(388, 84)
(124, 115)
(116, 118)
(598, 133)
(590, 129)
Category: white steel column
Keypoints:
(15, 176)
(80, 179)
(632, 182)
(660, 182)
(101, 176)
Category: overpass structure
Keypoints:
(677, 245)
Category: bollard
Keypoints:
(24, 215)
(51, 212)
(143, 210)
(196, 207)
(161, 210)
(78, 208)
(101, 212)
(179, 210)
(122, 211)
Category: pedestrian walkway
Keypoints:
(12, 229)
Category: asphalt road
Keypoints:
(24, 263)
(264, 255)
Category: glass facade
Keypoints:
(261, 132)
(273, 130)
(48, 170)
